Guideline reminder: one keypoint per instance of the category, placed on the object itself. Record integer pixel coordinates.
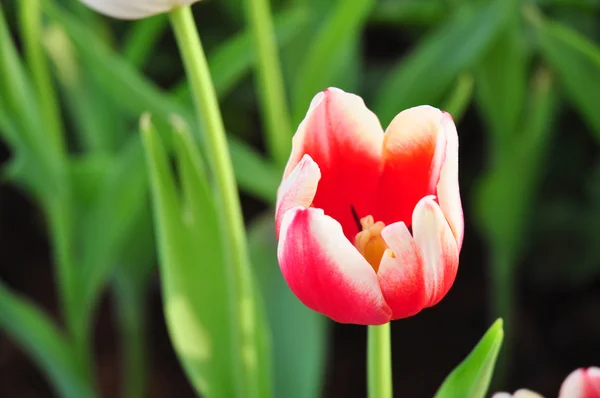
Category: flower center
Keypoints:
(369, 241)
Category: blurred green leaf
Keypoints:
(142, 37)
(460, 97)
(111, 218)
(298, 332)
(31, 35)
(427, 73)
(321, 66)
(194, 276)
(501, 81)
(41, 339)
(22, 113)
(95, 118)
(577, 63)
(408, 12)
(503, 200)
(471, 379)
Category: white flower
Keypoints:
(134, 9)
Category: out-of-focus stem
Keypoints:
(275, 112)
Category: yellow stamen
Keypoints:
(369, 241)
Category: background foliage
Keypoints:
(78, 280)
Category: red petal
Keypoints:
(448, 191)
(413, 154)
(298, 189)
(401, 275)
(345, 139)
(326, 272)
(438, 247)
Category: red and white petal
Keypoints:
(134, 9)
(345, 139)
(298, 189)
(401, 274)
(448, 192)
(582, 383)
(414, 148)
(326, 272)
(438, 247)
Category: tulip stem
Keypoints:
(251, 371)
(379, 362)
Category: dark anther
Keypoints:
(356, 217)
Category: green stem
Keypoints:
(246, 321)
(379, 362)
(270, 81)
(31, 30)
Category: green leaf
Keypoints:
(142, 37)
(503, 201)
(297, 331)
(460, 97)
(194, 276)
(321, 65)
(471, 379)
(111, 219)
(501, 81)
(408, 12)
(577, 63)
(427, 73)
(40, 338)
(22, 112)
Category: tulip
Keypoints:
(134, 9)
(370, 224)
(582, 383)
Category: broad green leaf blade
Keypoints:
(577, 63)
(299, 335)
(41, 339)
(321, 64)
(428, 72)
(194, 276)
(471, 379)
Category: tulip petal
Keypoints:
(581, 383)
(345, 139)
(298, 189)
(413, 154)
(326, 272)
(448, 191)
(401, 274)
(438, 247)
(134, 9)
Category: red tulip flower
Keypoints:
(370, 224)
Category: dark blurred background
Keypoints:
(555, 288)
